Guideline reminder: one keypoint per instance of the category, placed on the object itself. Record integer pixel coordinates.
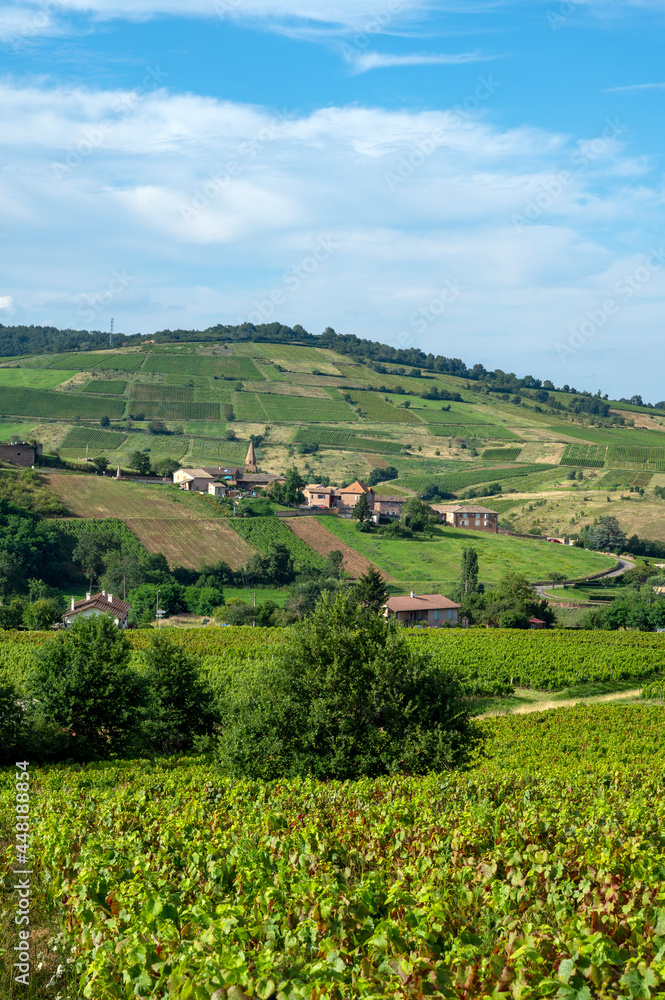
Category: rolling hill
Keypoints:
(340, 414)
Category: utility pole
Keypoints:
(124, 589)
(159, 621)
(111, 333)
(254, 621)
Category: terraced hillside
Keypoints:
(545, 465)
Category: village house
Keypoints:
(467, 516)
(216, 489)
(195, 480)
(389, 506)
(343, 500)
(430, 610)
(98, 604)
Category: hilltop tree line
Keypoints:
(18, 340)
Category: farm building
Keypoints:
(537, 623)
(467, 516)
(98, 604)
(195, 480)
(389, 506)
(432, 610)
(22, 453)
(216, 489)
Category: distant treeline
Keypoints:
(16, 340)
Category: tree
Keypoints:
(82, 681)
(140, 462)
(276, 566)
(101, 463)
(346, 696)
(606, 534)
(92, 548)
(370, 590)
(469, 579)
(42, 613)
(158, 427)
(166, 466)
(416, 514)
(143, 600)
(180, 702)
(291, 491)
(335, 563)
(362, 511)
(104, 422)
(122, 572)
(381, 475)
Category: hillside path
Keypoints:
(544, 706)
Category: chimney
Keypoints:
(413, 594)
(88, 595)
(72, 607)
(110, 597)
(103, 593)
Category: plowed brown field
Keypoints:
(181, 525)
(321, 540)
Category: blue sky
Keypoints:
(482, 180)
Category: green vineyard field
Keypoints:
(122, 362)
(191, 364)
(455, 481)
(501, 454)
(374, 407)
(537, 873)
(328, 437)
(586, 456)
(109, 387)
(291, 409)
(171, 410)
(79, 437)
(266, 532)
(41, 403)
(156, 392)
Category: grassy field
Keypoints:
(437, 562)
(30, 378)
(42, 403)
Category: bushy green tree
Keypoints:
(370, 590)
(416, 514)
(92, 548)
(180, 706)
(347, 696)
(43, 613)
(140, 462)
(291, 491)
(605, 535)
(82, 682)
(143, 601)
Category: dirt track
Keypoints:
(321, 540)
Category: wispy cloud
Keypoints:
(633, 88)
(362, 62)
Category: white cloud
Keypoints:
(211, 206)
(364, 61)
(633, 87)
(6, 302)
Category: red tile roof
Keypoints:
(101, 602)
(421, 602)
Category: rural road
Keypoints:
(623, 567)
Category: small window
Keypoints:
(436, 615)
(450, 615)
